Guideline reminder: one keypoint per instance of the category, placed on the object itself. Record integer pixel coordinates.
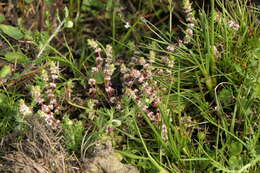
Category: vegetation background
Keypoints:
(121, 86)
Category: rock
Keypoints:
(105, 160)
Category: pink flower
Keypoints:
(92, 81)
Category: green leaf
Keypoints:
(28, 1)
(109, 5)
(5, 70)
(12, 31)
(116, 123)
(93, 3)
(257, 149)
(225, 96)
(99, 76)
(68, 24)
(49, 2)
(16, 57)
(203, 164)
(236, 148)
(66, 12)
(3, 98)
(256, 93)
(73, 133)
(2, 17)
(235, 162)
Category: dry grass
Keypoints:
(39, 151)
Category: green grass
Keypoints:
(208, 89)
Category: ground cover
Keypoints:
(129, 86)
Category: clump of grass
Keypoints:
(74, 131)
(41, 150)
(9, 115)
(201, 79)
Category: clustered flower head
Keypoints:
(24, 109)
(164, 132)
(136, 79)
(140, 86)
(216, 52)
(45, 96)
(233, 25)
(99, 63)
(109, 68)
(103, 66)
(99, 60)
(190, 18)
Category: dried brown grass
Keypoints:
(39, 151)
